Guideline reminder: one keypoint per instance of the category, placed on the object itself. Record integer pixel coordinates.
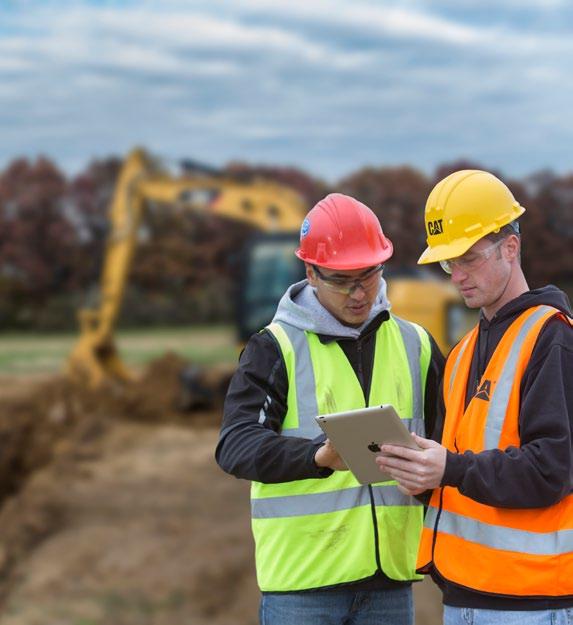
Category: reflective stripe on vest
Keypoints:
(321, 532)
(503, 538)
(319, 503)
(533, 548)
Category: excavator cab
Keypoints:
(268, 268)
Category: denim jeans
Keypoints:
(372, 607)
(474, 616)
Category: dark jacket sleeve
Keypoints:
(432, 400)
(433, 386)
(540, 472)
(250, 446)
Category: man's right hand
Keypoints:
(328, 457)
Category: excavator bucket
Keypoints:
(95, 365)
(94, 360)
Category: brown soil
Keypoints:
(113, 511)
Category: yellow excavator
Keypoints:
(267, 206)
(268, 262)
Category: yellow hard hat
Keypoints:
(461, 209)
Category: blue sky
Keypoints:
(326, 85)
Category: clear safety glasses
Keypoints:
(346, 286)
(470, 261)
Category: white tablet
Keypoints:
(358, 434)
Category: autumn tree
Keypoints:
(89, 197)
(37, 240)
(397, 195)
(548, 231)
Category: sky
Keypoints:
(325, 85)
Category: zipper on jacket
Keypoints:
(375, 523)
(360, 369)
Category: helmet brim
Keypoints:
(354, 261)
(444, 252)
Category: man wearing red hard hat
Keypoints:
(328, 549)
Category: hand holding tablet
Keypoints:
(358, 434)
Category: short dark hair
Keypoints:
(505, 231)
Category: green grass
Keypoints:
(27, 353)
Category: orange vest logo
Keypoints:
(484, 391)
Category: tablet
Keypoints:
(358, 434)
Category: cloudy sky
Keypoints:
(327, 85)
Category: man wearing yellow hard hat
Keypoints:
(498, 534)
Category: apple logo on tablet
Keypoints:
(374, 447)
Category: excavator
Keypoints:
(268, 207)
(268, 264)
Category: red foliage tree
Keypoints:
(37, 239)
(397, 195)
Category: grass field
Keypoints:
(27, 353)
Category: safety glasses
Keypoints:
(470, 261)
(346, 286)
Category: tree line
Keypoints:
(53, 230)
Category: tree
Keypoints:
(397, 195)
(548, 233)
(88, 199)
(37, 239)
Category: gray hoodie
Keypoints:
(300, 308)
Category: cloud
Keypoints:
(152, 39)
(322, 83)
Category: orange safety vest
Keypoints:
(507, 551)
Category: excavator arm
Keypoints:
(265, 205)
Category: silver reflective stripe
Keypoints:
(307, 407)
(415, 425)
(430, 519)
(263, 411)
(391, 496)
(500, 397)
(457, 363)
(322, 503)
(505, 538)
(413, 345)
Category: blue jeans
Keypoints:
(474, 616)
(372, 607)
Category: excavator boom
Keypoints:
(264, 205)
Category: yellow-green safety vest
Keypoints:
(322, 532)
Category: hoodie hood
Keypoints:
(300, 308)
(491, 332)
(548, 295)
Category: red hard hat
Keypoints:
(342, 233)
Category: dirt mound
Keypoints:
(35, 421)
(145, 529)
(156, 396)
(60, 424)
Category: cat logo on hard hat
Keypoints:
(435, 227)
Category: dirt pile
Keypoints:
(58, 426)
(40, 417)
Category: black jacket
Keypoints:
(540, 472)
